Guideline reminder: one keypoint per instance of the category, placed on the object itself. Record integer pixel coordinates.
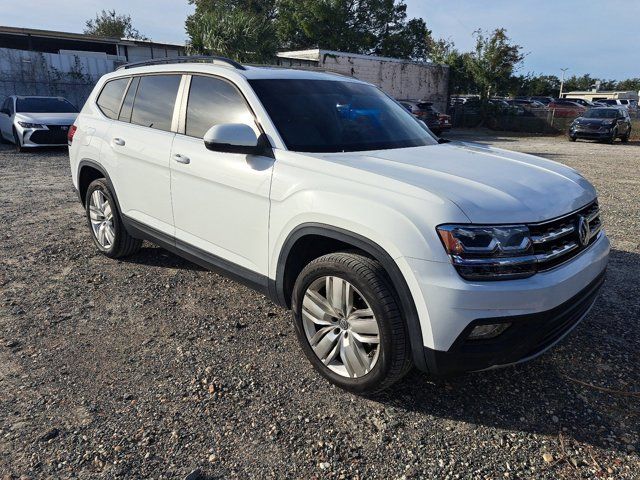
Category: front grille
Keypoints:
(556, 241)
(57, 134)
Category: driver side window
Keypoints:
(213, 101)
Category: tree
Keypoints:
(460, 77)
(235, 33)
(531, 84)
(109, 24)
(493, 61)
(378, 27)
(629, 84)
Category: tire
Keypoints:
(572, 138)
(16, 141)
(105, 223)
(372, 292)
(614, 135)
(626, 136)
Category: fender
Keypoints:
(100, 168)
(407, 306)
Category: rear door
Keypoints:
(138, 149)
(220, 200)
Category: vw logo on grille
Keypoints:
(584, 232)
(64, 127)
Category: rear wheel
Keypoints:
(108, 231)
(349, 324)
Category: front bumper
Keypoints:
(590, 134)
(528, 336)
(539, 308)
(50, 136)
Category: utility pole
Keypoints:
(562, 81)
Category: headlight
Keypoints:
(30, 125)
(489, 252)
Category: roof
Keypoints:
(80, 37)
(250, 72)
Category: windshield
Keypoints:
(336, 116)
(601, 113)
(44, 105)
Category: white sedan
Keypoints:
(36, 121)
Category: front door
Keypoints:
(220, 200)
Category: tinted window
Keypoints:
(127, 104)
(111, 97)
(153, 105)
(44, 105)
(211, 102)
(338, 116)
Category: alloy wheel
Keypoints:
(340, 326)
(101, 218)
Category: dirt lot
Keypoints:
(155, 368)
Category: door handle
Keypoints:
(118, 141)
(181, 159)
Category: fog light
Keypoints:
(482, 332)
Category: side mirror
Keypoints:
(233, 138)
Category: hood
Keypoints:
(489, 185)
(47, 118)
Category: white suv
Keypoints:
(323, 193)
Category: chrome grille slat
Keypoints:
(557, 241)
(553, 235)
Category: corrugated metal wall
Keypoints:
(69, 74)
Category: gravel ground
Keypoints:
(155, 368)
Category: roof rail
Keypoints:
(190, 59)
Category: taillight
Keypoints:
(71, 133)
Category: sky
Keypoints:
(599, 37)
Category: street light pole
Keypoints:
(562, 81)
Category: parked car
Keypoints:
(566, 108)
(36, 121)
(529, 106)
(542, 99)
(583, 102)
(425, 111)
(630, 104)
(502, 106)
(602, 123)
(325, 194)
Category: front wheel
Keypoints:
(614, 135)
(108, 231)
(626, 136)
(348, 323)
(572, 138)
(17, 142)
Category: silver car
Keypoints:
(36, 121)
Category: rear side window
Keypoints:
(154, 102)
(127, 104)
(213, 101)
(111, 96)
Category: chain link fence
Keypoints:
(536, 120)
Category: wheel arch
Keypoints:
(88, 171)
(335, 239)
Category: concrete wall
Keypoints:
(399, 78)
